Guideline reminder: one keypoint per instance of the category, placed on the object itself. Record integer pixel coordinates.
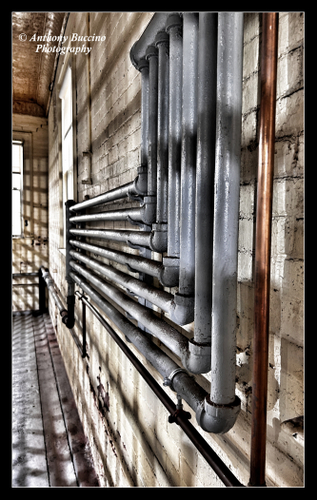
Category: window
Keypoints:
(66, 96)
(17, 186)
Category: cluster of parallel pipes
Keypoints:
(188, 188)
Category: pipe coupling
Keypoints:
(169, 274)
(158, 239)
(217, 418)
(183, 312)
(148, 210)
(140, 182)
(198, 357)
(168, 381)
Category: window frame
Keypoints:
(20, 189)
(68, 186)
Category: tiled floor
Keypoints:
(48, 444)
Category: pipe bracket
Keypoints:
(168, 381)
(179, 413)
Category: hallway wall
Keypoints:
(131, 439)
(31, 251)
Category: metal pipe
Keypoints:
(188, 159)
(151, 56)
(114, 194)
(134, 188)
(69, 320)
(152, 294)
(206, 133)
(174, 29)
(168, 335)
(144, 69)
(224, 473)
(210, 417)
(226, 207)
(133, 262)
(158, 297)
(84, 332)
(50, 286)
(135, 239)
(145, 214)
(263, 246)
(42, 294)
(162, 44)
(121, 214)
(138, 50)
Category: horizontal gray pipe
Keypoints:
(145, 214)
(50, 286)
(134, 262)
(156, 241)
(154, 295)
(183, 383)
(134, 189)
(170, 337)
(181, 314)
(114, 194)
(122, 214)
(137, 238)
(167, 276)
(209, 417)
(161, 362)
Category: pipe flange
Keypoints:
(168, 381)
(161, 37)
(174, 21)
(217, 418)
(151, 51)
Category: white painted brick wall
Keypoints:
(31, 251)
(132, 443)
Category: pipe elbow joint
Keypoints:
(158, 238)
(217, 418)
(169, 274)
(148, 210)
(197, 358)
(183, 311)
(139, 187)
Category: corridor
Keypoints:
(48, 443)
(158, 163)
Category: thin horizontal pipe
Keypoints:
(122, 214)
(170, 337)
(50, 285)
(141, 238)
(134, 262)
(114, 194)
(156, 296)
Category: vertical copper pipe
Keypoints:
(263, 247)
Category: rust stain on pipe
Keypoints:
(263, 247)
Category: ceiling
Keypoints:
(32, 71)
